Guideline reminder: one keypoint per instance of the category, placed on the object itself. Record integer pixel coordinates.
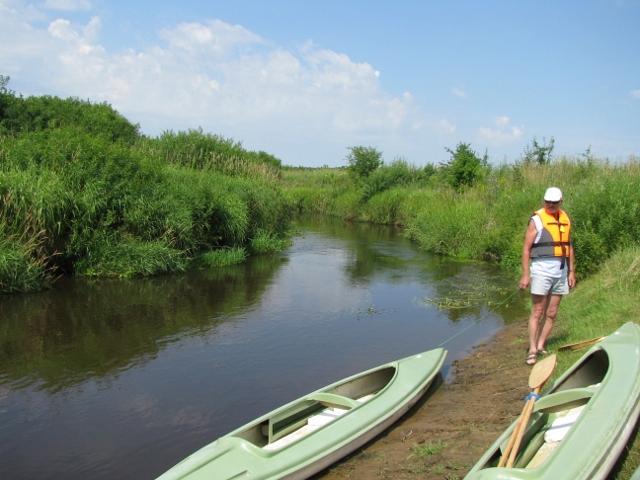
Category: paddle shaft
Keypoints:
(512, 438)
(522, 427)
(579, 345)
(515, 432)
(537, 378)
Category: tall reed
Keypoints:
(74, 202)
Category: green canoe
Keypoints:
(309, 434)
(578, 429)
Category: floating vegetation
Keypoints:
(471, 292)
(369, 311)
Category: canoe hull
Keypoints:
(356, 443)
(609, 375)
(269, 448)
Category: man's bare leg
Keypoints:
(549, 321)
(538, 307)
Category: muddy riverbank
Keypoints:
(446, 433)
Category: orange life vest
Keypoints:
(553, 237)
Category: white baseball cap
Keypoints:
(553, 194)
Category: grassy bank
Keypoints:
(83, 192)
(485, 221)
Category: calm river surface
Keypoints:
(122, 379)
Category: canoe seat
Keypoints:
(554, 434)
(313, 423)
(333, 400)
(565, 399)
(336, 406)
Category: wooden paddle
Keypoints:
(579, 345)
(540, 373)
(547, 366)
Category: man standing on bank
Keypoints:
(548, 266)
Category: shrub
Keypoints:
(464, 168)
(363, 161)
(539, 153)
(385, 177)
(31, 114)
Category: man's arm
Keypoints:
(529, 237)
(572, 268)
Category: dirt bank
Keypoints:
(447, 432)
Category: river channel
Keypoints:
(122, 379)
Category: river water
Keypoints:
(122, 379)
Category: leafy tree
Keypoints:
(429, 170)
(363, 161)
(4, 81)
(465, 167)
(5, 99)
(539, 153)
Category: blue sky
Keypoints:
(305, 80)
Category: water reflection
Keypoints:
(85, 329)
(135, 375)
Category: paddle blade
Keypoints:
(541, 371)
(579, 345)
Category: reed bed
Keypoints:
(80, 195)
(198, 150)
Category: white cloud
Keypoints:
(445, 126)
(219, 76)
(458, 92)
(67, 5)
(635, 93)
(502, 133)
(215, 37)
(503, 121)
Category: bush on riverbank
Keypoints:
(33, 114)
(199, 150)
(487, 221)
(116, 204)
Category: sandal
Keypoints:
(531, 359)
(542, 351)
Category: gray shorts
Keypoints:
(545, 285)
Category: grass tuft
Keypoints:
(221, 258)
(428, 449)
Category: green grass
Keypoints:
(487, 220)
(221, 257)
(266, 242)
(129, 257)
(20, 269)
(428, 449)
(122, 205)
